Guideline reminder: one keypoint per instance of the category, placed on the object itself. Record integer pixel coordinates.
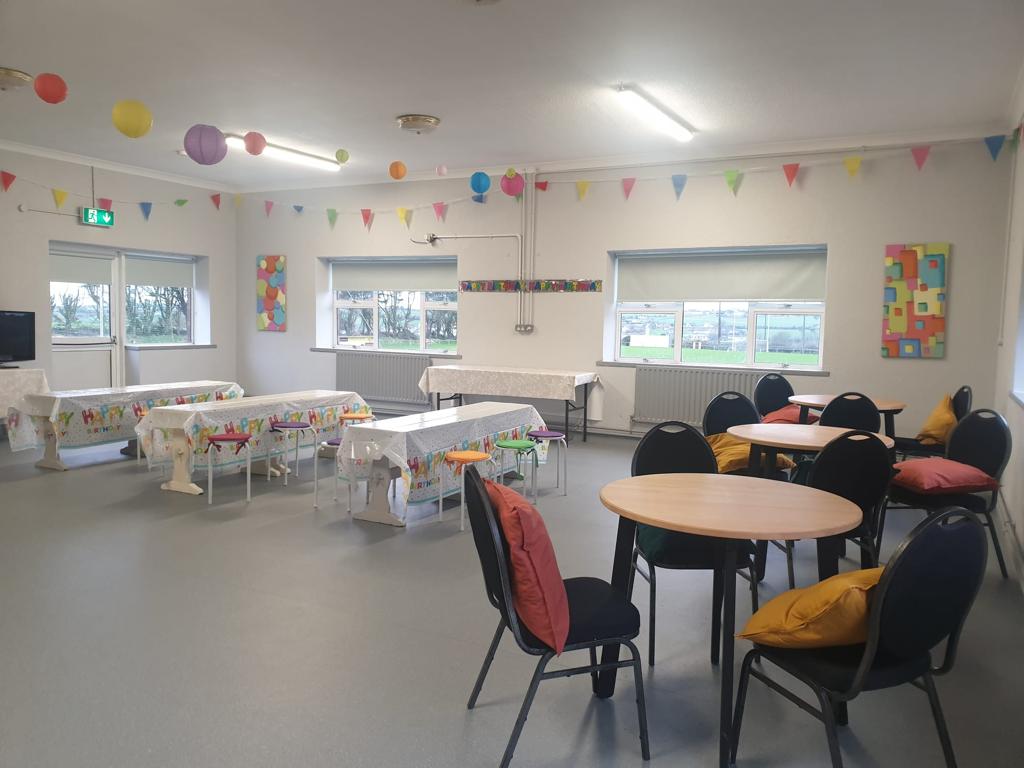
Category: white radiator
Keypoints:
(682, 394)
(381, 377)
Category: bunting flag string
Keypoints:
(367, 215)
(791, 170)
(852, 164)
(678, 184)
(105, 203)
(440, 211)
(181, 202)
(732, 179)
(7, 179)
(59, 196)
(581, 189)
(215, 199)
(627, 186)
(994, 144)
(299, 208)
(332, 217)
(268, 206)
(921, 155)
(146, 208)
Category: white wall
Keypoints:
(960, 196)
(196, 229)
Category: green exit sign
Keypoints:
(97, 217)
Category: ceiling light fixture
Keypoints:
(13, 78)
(645, 106)
(418, 124)
(277, 152)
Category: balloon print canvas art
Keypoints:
(271, 304)
(914, 304)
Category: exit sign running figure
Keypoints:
(97, 217)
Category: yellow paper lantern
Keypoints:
(132, 118)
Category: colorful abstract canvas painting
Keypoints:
(271, 304)
(914, 302)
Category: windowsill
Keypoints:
(151, 347)
(729, 368)
(1018, 397)
(427, 352)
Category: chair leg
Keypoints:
(653, 614)
(641, 702)
(487, 665)
(209, 478)
(881, 526)
(940, 720)
(717, 598)
(741, 700)
(462, 501)
(563, 452)
(995, 543)
(593, 663)
(789, 564)
(248, 473)
(524, 711)
(440, 491)
(829, 719)
(316, 475)
(753, 590)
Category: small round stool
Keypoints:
(335, 442)
(459, 459)
(295, 427)
(551, 436)
(521, 448)
(240, 440)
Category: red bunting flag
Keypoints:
(215, 199)
(541, 185)
(367, 217)
(7, 179)
(791, 170)
(920, 155)
(440, 210)
(268, 206)
(105, 203)
(627, 186)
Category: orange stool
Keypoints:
(459, 460)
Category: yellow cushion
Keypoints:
(733, 454)
(833, 612)
(939, 423)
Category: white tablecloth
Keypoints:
(321, 408)
(92, 416)
(497, 381)
(15, 383)
(416, 444)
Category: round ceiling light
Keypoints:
(418, 124)
(13, 78)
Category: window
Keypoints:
(80, 298)
(396, 304)
(158, 302)
(760, 308)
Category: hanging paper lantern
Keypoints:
(341, 156)
(255, 142)
(205, 144)
(480, 182)
(397, 170)
(441, 170)
(50, 88)
(513, 185)
(132, 118)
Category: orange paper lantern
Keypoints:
(397, 170)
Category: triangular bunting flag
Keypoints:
(268, 206)
(479, 198)
(994, 144)
(146, 208)
(791, 170)
(541, 185)
(732, 178)
(299, 208)
(7, 179)
(678, 183)
(332, 217)
(627, 186)
(404, 215)
(920, 155)
(367, 217)
(581, 189)
(440, 211)
(215, 199)
(105, 203)
(238, 200)
(181, 202)
(59, 196)
(852, 165)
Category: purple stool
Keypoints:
(296, 427)
(551, 436)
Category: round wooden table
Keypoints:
(731, 508)
(888, 408)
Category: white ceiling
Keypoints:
(520, 82)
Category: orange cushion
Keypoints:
(788, 414)
(466, 457)
(939, 424)
(733, 454)
(538, 591)
(937, 476)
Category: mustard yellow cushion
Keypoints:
(733, 454)
(833, 612)
(939, 423)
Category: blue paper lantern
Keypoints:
(480, 182)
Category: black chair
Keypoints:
(857, 466)
(598, 615)
(729, 409)
(677, 447)
(911, 446)
(981, 439)
(853, 411)
(771, 393)
(923, 598)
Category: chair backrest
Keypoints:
(772, 392)
(981, 439)
(857, 466)
(852, 410)
(962, 402)
(673, 446)
(729, 409)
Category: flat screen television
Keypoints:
(17, 336)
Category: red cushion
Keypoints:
(788, 414)
(538, 591)
(937, 475)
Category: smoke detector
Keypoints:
(13, 78)
(418, 124)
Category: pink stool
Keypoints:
(551, 436)
(240, 440)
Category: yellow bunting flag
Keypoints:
(238, 200)
(59, 196)
(852, 165)
(581, 189)
(732, 178)
(405, 216)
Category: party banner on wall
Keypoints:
(914, 303)
(271, 281)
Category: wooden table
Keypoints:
(807, 438)
(731, 508)
(888, 408)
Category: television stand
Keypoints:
(4, 367)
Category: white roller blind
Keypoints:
(167, 273)
(775, 274)
(392, 274)
(65, 268)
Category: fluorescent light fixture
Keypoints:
(649, 109)
(295, 156)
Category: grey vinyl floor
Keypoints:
(140, 628)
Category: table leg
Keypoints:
(804, 410)
(378, 510)
(181, 476)
(566, 419)
(51, 450)
(829, 550)
(604, 684)
(890, 424)
(728, 650)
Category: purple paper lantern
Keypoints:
(205, 144)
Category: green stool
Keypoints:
(521, 448)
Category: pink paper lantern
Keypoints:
(255, 142)
(513, 185)
(205, 144)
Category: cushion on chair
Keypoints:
(938, 475)
(517, 445)
(939, 424)
(230, 437)
(546, 434)
(834, 668)
(833, 612)
(538, 592)
(289, 425)
(334, 441)
(596, 611)
(913, 445)
(466, 457)
(733, 454)
(787, 414)
(685, 551)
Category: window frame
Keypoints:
(373, 304)
(58, 340)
